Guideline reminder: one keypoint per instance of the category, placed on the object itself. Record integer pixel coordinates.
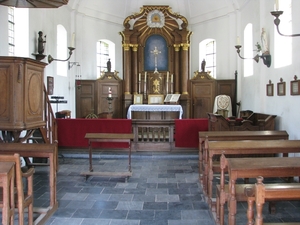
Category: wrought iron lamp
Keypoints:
(266, 58)
(277, 22)
(50, 58)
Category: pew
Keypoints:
(252, 168)
(206, 136)
(247, 148)
(261, 192)
(256, 121)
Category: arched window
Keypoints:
(248, 50)
(283, 45)
(62, 50)
(208, 53)
(105, 51)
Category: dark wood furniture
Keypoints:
(91, 96)
(206, 136)
(243, 149)
(108, 137)
(249, 168)
(7, 202)
(260, 193)
(48, 151)
(204, 89)
(256, 121)
(22, 88)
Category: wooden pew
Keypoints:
(252, 168)
(206, 136)
(261, 192)
(245, 148)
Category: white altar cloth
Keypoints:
(155, 108)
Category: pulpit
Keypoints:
(21, 90)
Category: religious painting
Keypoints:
(281, 88)
(295, 86)
(156, 54)
(270, 88)
(138, 99)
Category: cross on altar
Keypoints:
(155, 52)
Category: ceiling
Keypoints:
(195, 11)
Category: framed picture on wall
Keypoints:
(281, 88)
(270, 89)
(50, 85)
(295, 86)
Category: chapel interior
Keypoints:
(151, 73)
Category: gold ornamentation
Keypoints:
(185, 46)
(156, 86)
(177, 47)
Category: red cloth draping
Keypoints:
(71, 132)
(186, 132)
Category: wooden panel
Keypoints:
(22, 93)
(85, 98)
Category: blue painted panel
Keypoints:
(162, 59)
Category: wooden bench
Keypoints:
(261, 192)
(247, 148)
(206, 136)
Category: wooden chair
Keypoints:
(22, 199)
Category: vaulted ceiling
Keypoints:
(196, 11)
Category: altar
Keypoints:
(154, 112)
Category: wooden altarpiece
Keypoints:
(156, 43)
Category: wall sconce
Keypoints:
(266, 58)
(71, 64)
(277, 22)
(50, 58)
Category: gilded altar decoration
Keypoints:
(156, 86)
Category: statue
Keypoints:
(41, 43)
(108, 65)
(203, 65)
(264, 43)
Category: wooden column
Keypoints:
(135, 68)
(184, 68)
(127, 68)
(177, 68)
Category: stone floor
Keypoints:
(163, 190)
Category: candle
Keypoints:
(277, 5)
(172, 78)
(238, 42)
(109, 92)
(139, 76)
(73, 40)
(145, 76)
(168, 76)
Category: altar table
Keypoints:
(155, 108)
(7, 174)
(252, 168)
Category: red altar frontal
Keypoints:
(166, 135)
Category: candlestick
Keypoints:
(277, 5)
(109, 92)
(139, 76)
(73, 40)
(168, 76)
(145, 77)
(238, 42)
(172, 78)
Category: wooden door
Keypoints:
(203, 94)
(85, 98)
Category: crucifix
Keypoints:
(155, 52)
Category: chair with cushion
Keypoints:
(23, 198)
(223, 106)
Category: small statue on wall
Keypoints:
(41, 43)
(108, 65)
(203, 65)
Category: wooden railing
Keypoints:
(153, 134)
